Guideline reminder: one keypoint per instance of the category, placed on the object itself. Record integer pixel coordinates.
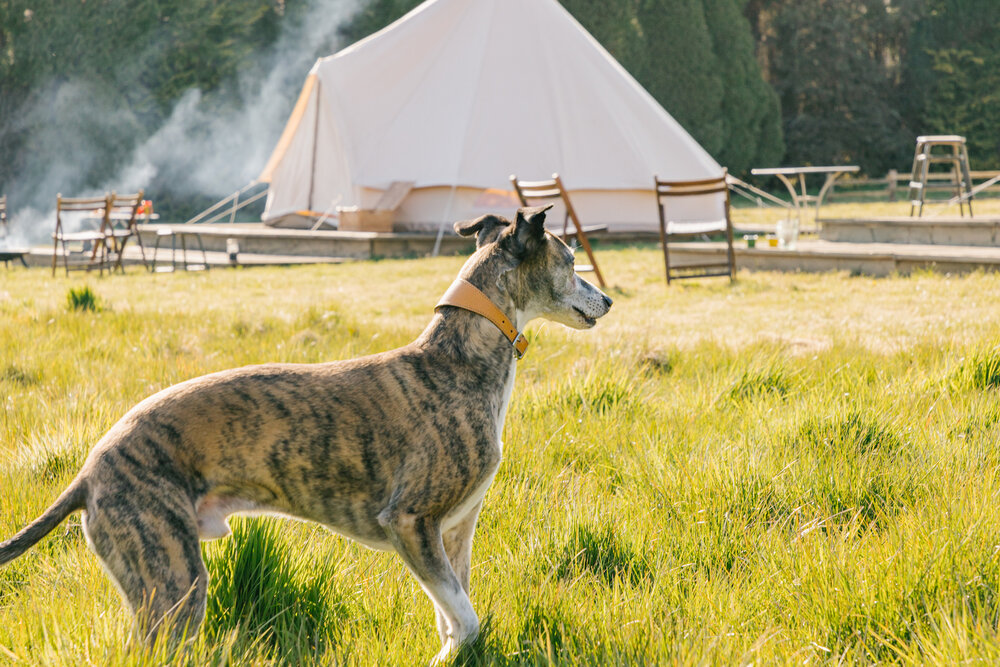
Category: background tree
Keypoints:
(952, 75)
(681, 70)
(82, 84)
(751, 117)
(834, 67)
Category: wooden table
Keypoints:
(801, 197)
(9, 254)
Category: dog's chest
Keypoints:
(508, 391)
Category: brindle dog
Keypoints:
(394, 450)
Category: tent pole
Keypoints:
(312, 167)
(444, 221)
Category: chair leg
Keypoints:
(156, 252)
(730, 254)
(65, 248)
(119, 255)
(142, 249)
(582, 238)
(663, 244)
(204, 256)
(666, 261)
(924, 173)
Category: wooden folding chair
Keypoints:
(93, 242)
(554, 189)
(122, 226)
(676, 229)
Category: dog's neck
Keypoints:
(468, 337)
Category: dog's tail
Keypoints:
(72, 499)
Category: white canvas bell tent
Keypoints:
(458, 95)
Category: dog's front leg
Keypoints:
(419, 543)
(458, 546)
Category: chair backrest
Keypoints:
(127, 205)
(99, 206)
(705, 186)
(534, 192)
(697, 188)
(80, 203)
(548, 189)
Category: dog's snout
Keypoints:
(607, 300)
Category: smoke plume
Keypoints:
(206, 148)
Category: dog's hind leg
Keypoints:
(147, 540)
(419, 543)
(458, 547)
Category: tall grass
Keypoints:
(791, 469)
(82, 298)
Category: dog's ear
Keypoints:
(485, 227)
(528, 231)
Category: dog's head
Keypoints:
(536, 269)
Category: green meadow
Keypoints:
(792, 469)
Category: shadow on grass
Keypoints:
(756, 383)
(545, 637)
(20, 376)
(602, 553)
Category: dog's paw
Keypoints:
(447, 651)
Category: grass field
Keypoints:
(791, 469)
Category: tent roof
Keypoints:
(467, 92)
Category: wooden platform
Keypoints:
(876, 259)
(259, 239)
(42, 257)
(959, 245)
(979, 231)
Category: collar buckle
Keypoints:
(520, 344)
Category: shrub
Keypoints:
(83, 299)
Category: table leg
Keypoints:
(830, 178)
(795, 197)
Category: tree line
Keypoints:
(756, 82)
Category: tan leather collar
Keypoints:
(465, 295)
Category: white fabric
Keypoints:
(464, 93)
(695, 227)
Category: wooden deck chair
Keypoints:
(554, 189)
(677, 229)
(121, 227)
(93, 242)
